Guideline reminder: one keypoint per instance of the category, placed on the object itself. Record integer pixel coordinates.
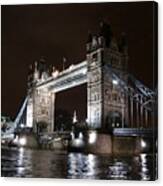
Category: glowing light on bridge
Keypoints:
(22, 141)
(55, 73)
(143, 143)
(72, 135)
(22, 125)
(115, 82)
(78, 142)
(16, 140)
(92, 137)
(71, 67)
(75, 117)
(80, 135)
(84, 71)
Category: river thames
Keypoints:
(49, 164)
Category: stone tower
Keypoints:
(107, 102)
(40, 105)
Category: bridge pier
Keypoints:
(40, 110)
(122, 144)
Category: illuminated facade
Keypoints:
(107, 103)
(42, 92)
(113, 95)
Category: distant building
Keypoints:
(7, 127)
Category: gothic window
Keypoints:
(98, 96)
(98, 115)
(42, 100)
(119, 62)
(43, 111)
(94, 57)
(106, 92)
(114, 96)
(110, 60)
(94, 42)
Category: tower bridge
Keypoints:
(115, 99)
(74, 76)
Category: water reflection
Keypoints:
(119, 170)
(144, 173)
(42, 163)
(81, 166)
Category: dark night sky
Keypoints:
(54, 31)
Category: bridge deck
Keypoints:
(69, 78)
(133, 132)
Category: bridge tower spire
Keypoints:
(75, 117)
(36, 71)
